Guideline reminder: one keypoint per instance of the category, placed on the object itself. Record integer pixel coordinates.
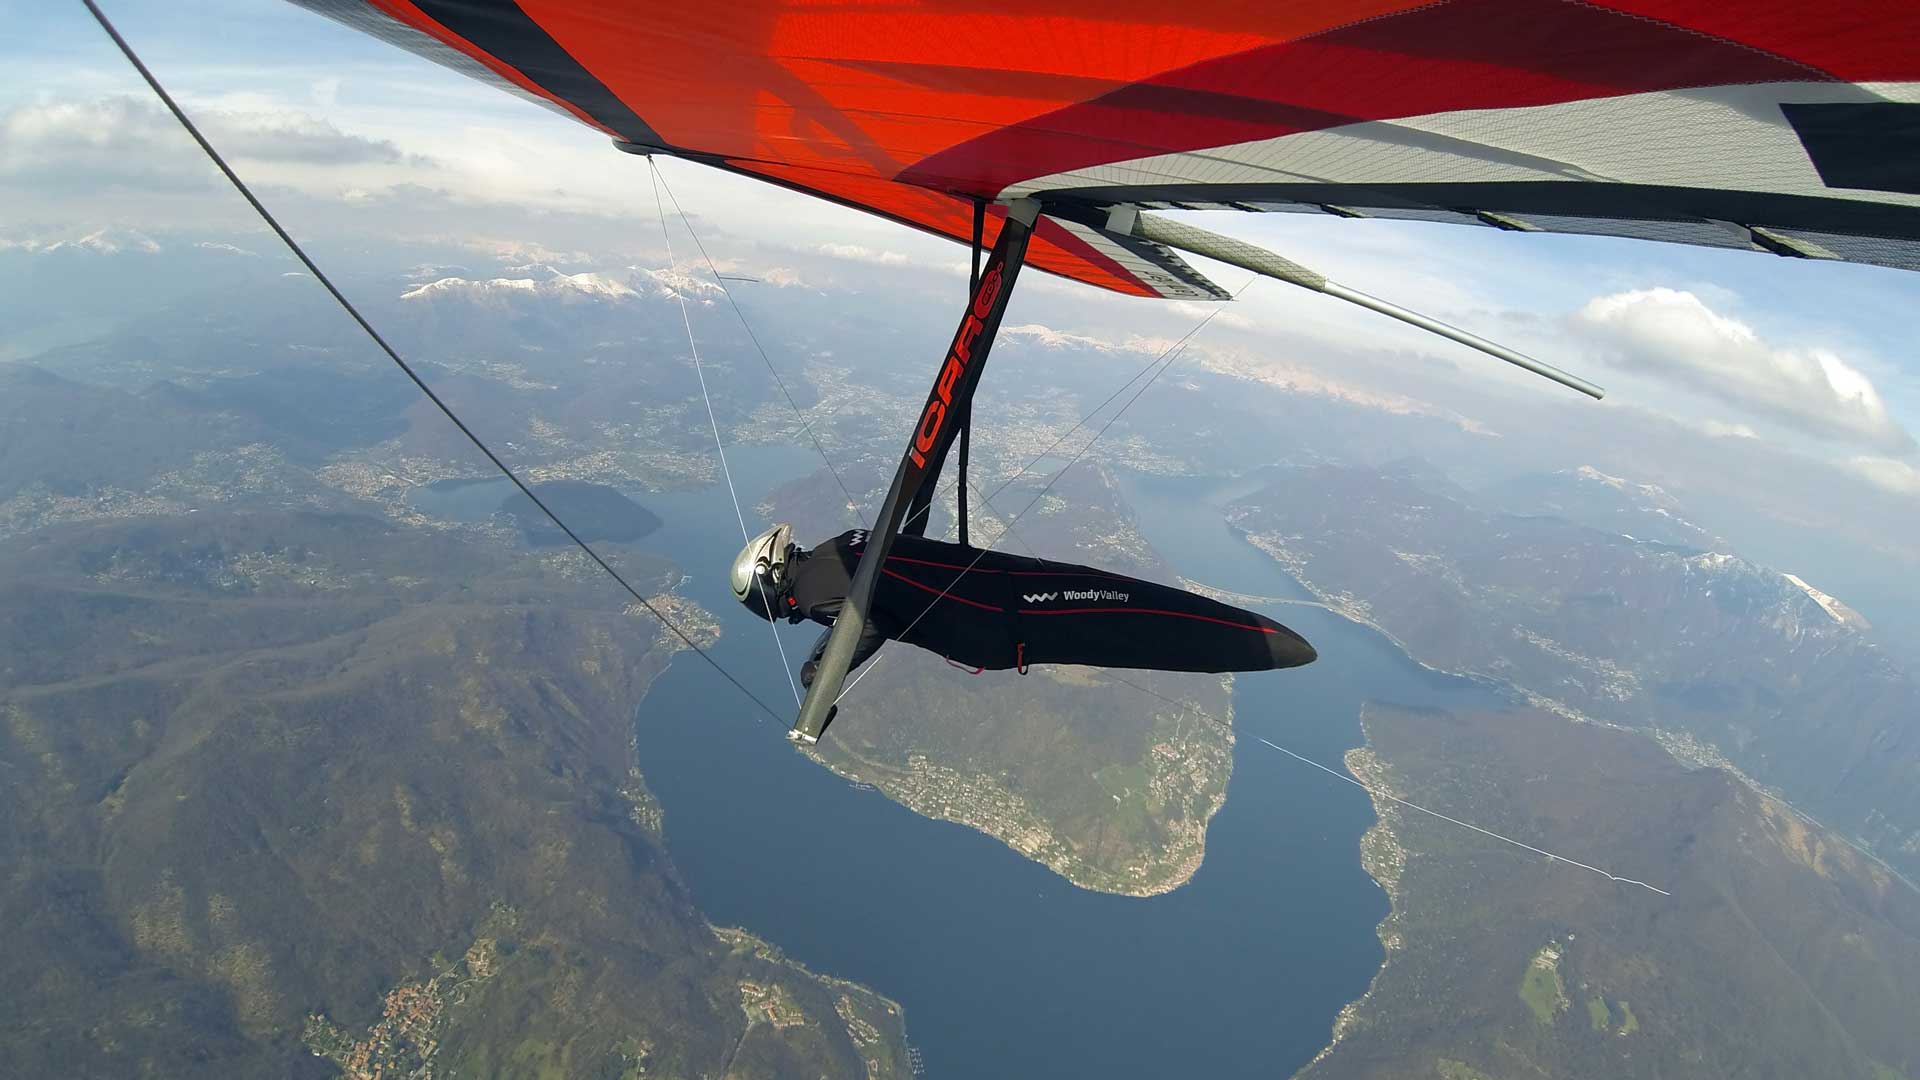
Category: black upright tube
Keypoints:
(979, 241)
(966, 416)
(932, 436)
(960, 477)
(920, 510)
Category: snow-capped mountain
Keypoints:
(1590, 497)
(548, 284)
(103, 241)
(537, 312)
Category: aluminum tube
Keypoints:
(1454, 333)
(1226, 249)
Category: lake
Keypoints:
(1003, 967)
(594, 511)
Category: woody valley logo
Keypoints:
(1076, 594)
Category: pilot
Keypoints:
(992, 610)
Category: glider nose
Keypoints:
(1290, 649)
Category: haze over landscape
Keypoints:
(323, 756)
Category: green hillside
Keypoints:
(284, 785)
(1782, 952)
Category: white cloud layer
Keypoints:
(861, 253)
(126, 141)
(1049, 338)
(1253, 366)
(1889, 475)
(1720, 429)
(1674, 336)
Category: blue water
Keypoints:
(471, 499)
(1003, 967)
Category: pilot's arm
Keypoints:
(872, 636)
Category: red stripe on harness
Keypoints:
(942, 565)
(1146, 611)
(936, 592)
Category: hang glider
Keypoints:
(1052, 133)
(1777, 126)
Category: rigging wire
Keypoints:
(766, 602)
(1381, 794)
(1551, 857)
(853, 504)
(999, 516)
(1042, 455)
(1169, 355)
(1095, 411)
(346, 305)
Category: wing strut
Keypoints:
(1128, 220)
(966, 418)
(947, 404)
(921, 508)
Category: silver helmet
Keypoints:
(759, 574)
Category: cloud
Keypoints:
(1720, 429)
(859, 253)
(225, 249)
(1213, 311)
(292, 137)
(129, 141)
(1889, 475)
(104, 241)
(525, 253)
(1258, 366)
(1048, 338)
(1261, 367)
(1673, 336)
(782, 277)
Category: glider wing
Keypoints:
(1773, 125)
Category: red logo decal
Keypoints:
(934, 417)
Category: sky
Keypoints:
(1791, 383)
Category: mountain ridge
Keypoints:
(1725, 661)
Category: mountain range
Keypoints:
(1726, 661)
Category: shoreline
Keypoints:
(1035, 840)
(1681, 747)
(1384, 858)
(1331, 603)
